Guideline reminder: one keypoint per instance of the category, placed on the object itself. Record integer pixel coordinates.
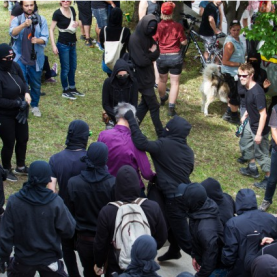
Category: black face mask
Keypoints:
(123, 79)
(151, 28)
(5, 65)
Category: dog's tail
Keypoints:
(210, 71)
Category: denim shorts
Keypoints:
(101, 17)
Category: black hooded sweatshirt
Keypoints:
(172, 157)
(264, 266)
(139, 45)
(249, 219)
(206, 229)
(224, 201)
(114, 91)
(127, 189)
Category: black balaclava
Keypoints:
(77, 135)
(115, 18)
(151, 28)
(255, 63)
(5, 50)
(213, 189)
(122, 81)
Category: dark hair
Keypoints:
(21, 3)
(234, 22)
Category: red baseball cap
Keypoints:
(167, 8)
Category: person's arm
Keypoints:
(245, 115)
(273, 124)
(262, 120)
(227, 54)
(43, 33)
(15, 29)
(213, 25)
(11, 19)
(143, 5)
(8, 103)
(201, 11)
(111, 3)
(144, 165)
(52, 37)
(53, 184)
(68, 199)
(106, 98)
(220, 18)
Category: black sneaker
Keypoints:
(10, 176)
(75, 92)
(88, 42)
(172, 112)
(23, 171)
(82, 37)
(169, 256)
(241, 160)
(249, 172)
(235, 119)
(164, 99)
(67, 94)
(262, 184)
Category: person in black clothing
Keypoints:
(3, 176)
(113, 33)
(122, 86)
(174, 161)
(34, 222)
(14, 96)
(64, 165)
(265, 266)
(127, 189)
(224, 201)
(143, 51)
(206, 230)
(87, 194)
(236, 229)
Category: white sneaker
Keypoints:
(36, 111)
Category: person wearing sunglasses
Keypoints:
(14, 96)
(256, 142)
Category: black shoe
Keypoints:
(227, 116)
(42, 93)
(249, 172)
(23, 172)
(164, 99)
(262, 184)
(169, 256)
(235, 119)
(75, 92)
(10, 176)
(172, 112)
(241, 160)
(67, 94)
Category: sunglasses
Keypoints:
(243, 76)
(9, 58)
(122, 76)
(66, 1)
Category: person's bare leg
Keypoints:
(162, 84)
(174, 88)
(157, 76)
(233, 108)
(97, 31)
(82, 28)
(87, 31)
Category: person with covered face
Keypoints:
(122, 86)
(14, 100)
(126, 190)
(206, 230)
(33, 224)
(144, 51)
(174, 162)
(87, 194)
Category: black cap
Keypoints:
(5, 50)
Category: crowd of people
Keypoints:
(72, 202)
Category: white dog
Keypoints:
(212, 87)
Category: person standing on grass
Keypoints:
(30, 38)
(65, 19)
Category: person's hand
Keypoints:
(267, 240)
(28, 98)
(185, 42)
(28, 22)
(23, 105)
(195, 265)
(266, 83)
(98, 271)
(153, 48)
(218, 32)
(75, 24)
(55, 50)
(129, 115)
(258, 139)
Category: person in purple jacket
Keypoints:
(122, 150)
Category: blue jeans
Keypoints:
(68, 60)
(272, 181)
(101, 16)
(33, 78)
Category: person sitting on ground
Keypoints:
(121, 148)
(87, 194)
(265, 266)
(143, 253)
(238, 228)
(224, 201)
(206, 230)
(122, 86)
(170, 36)
(33, 224)
(126, 190)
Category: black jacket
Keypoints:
(264, 266)
(85, 200)
(172, 157)
(114, 92)
(249, 219)
(139, 45)
(127, 189)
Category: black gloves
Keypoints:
(23, 112)
(24, 105)
(129, 115)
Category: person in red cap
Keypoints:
(170, 36)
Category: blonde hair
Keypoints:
(166, 17)
(247, 67)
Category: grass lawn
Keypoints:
(212, 139)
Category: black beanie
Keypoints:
(5, 50)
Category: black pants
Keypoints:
(85, 251)
(10, 132)
(179, 225)
(150, 103)
(48, 71)
(16, 269)
(70, 257)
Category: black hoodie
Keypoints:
(249, 219)
(205, 228)
(127, 189)
(264, 266)
(114, 92)
(172, 157)
(225, 202)
(139, 45)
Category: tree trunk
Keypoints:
(135, 18)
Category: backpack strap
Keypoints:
(139, 201)
(121, 35)
(105, 36)
(118, 204)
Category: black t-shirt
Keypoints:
(99, 4)
(205, 28)
(255, 101)
(63, 23)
